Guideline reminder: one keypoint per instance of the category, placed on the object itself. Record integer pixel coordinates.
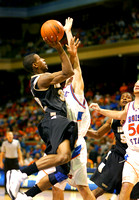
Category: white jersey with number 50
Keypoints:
(131, 128)
(77, 109)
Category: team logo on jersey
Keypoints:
(134, 140)
(66, 94)
(133, 118)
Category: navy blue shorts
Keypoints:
(54, 130)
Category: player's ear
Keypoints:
(35, 65)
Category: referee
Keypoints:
(11, 151)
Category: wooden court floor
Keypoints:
(69, 195)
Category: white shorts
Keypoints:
(78, 170)
(131, 171)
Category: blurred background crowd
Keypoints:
(122, 27)
(105, 79)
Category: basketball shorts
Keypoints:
(54, 130)
(78, 170)
(78, 164)
(108, 174)
(130, 170)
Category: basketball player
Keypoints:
(77, 110)
(108, 175)
(58, 132)
(130, 115)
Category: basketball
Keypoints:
(52, 28)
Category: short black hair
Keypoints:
(28, 61)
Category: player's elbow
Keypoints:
(71, 73)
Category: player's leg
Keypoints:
(58, 177)
(63, 156)
(98, 192)
(126, 191)
(41, 186)
(85, 192)
(57, 193)
(129, 179)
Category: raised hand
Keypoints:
(54, 44)
(72, 48)
(68, 24)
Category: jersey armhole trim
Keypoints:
(126, 114)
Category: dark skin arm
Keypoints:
(47, 79)
(101, 131)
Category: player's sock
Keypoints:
(32, 192)
(31, 169)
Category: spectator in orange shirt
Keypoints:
(123, 88)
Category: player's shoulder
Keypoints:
(4, 142)
(127, 105)
(41, 75)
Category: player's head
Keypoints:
(9, 136)
(136, 88)
(33, 63)
(126, 97)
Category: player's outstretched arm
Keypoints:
(67, 71)
(78, 84)
(97, 134)
(119, 115)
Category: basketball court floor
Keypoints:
(69, 195)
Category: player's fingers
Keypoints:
(46, 40)
(77, 42)
(91, 105)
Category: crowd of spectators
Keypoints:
(23, 115)
(122, 29)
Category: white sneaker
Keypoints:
(14, 179)
(22, 196)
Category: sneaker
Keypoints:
(14, 179)
(22, 196)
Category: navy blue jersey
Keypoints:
(51, 99)
(121, 144)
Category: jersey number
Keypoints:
(134, 131)
(123, 138)
(61, 94)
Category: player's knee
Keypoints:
(126, 188)
(83, 188)
(56, 191)
(65, 158)
(85, 192)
